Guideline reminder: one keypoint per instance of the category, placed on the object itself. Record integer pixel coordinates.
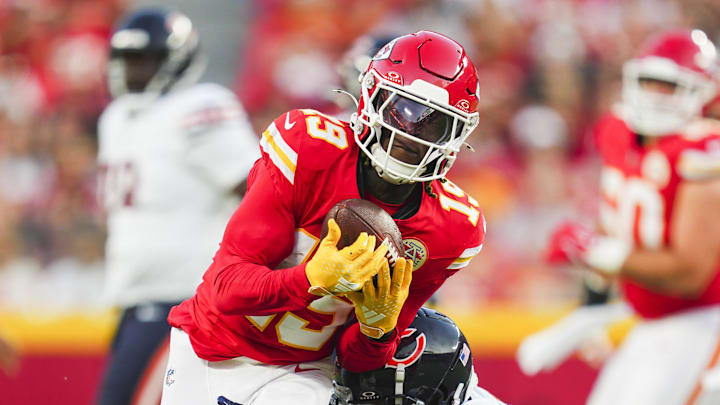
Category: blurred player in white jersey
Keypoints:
(659, 232)
(174, 157)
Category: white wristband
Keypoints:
(607, 254)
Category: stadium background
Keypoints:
(548, 69)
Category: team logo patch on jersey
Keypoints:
(416, 251)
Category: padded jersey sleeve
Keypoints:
(259, 236)
(220, 141)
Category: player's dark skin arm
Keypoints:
(687, 266)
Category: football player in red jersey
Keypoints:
(660, 224)
(253, 333)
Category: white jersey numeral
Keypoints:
(292, 330)
(632, 203)
(451, 204)
(117, 184)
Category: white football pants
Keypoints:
(192, 380)
(661, 361)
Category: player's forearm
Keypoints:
(359, 353)
(251, 289)
(663, 271)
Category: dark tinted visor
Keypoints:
(416, 119)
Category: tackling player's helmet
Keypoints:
(419, 93)
(685, 60)
(432, 365)
(152, 50)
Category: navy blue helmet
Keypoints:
(152, 50)
(432, 366)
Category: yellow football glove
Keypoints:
(333, 271)
(377, 309)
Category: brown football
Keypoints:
(355, 215)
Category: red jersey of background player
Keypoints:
(309, 163)
(639, 184)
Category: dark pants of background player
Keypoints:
(142, 330)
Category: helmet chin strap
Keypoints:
(456, 396)
(399, 383)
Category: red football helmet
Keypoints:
(686, 59)
(419, 88)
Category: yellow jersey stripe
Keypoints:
(465, 258)
(269, 144)
(470, 252)
(456, 266)
(698, 165)
(280, 142)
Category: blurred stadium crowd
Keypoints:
(548, 69)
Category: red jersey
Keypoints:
(253, 300)
(639, 184)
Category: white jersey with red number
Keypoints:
(254, 299)
(168, 167)
(639, 184)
